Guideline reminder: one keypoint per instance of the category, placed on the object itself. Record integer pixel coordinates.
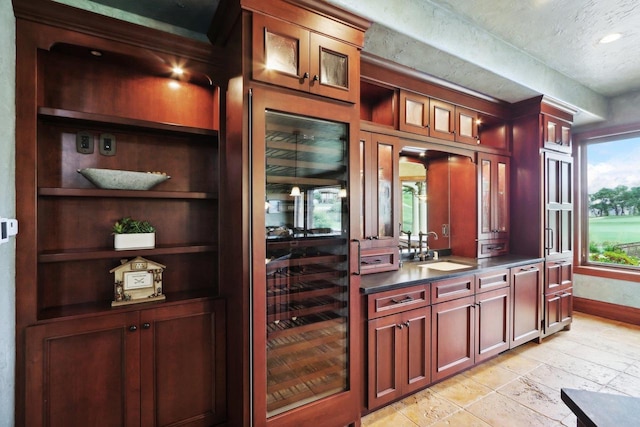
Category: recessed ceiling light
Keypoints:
(610, 38)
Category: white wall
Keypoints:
(7, 209)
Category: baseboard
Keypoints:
(607, 310)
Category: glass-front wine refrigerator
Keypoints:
(301, 292)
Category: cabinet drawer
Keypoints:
(493, 247)
(379, 259)
(494, 279)
(449, 289)
(397, 300)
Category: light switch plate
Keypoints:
(107, 144)
(84, 142)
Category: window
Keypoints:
(610, 235)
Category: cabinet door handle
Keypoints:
(404, 300)
(146, 325)
(359, 271)
(133, 328)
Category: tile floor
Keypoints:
(521, 387)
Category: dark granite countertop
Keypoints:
(411, 273)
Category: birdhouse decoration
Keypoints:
(137, 280)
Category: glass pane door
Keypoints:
(306, 237)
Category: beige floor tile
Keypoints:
(425, 408)
(461, 418)
(557, 379)
(540, 398)
(520, 362)
(626, 383)
(634, 369)
(461, 390)
(386, 417)
(501, 411)
(493, 375)
(592, 354)
(582, 368)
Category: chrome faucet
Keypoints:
(425, 255)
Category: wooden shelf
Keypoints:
(61, 114)
(100, 307)
(142, 194)
(88, 254)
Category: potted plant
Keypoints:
(133, 234)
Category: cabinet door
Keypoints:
(333, 68)
(557, 134)
(558, 310)
(526, 291)
(379, 205)
(466, 126)
(492, 323)
(558, 236)
(559, 275)
(453, 337)
(493, 196)
(414, 113)
(280, 53)
(385, 359)
(399, 357)
(182, 364)
(417, 349)
(441, 120)
(84, 373)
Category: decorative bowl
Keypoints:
(115, 179)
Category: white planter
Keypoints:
(131, 241)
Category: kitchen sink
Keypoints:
(445, 266)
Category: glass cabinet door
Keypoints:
(306, 239)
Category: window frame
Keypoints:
(581, 214)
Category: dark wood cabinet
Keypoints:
(557, 134)
(289, 55)
(558, 295)
(542, 189)
(427, 116)
(399, 355)
(493, 322)
(472, 324)
(558, 310)
(148, 367)
(526, 293)
(493, 205)
(453, 338)
(144, 368)
(379, 204)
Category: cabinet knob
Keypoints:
(305, 76)
(316, 78)
(407, 324)
(146, 325)
(399, 325)
(133, 328)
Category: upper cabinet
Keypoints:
(493, 204)
(289, 55)
(379, 204)
(423, 115)
(557, 134)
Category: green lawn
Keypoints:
(618, 229)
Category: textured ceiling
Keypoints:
(564, 34)
(509, 50)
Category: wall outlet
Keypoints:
(107, 144)
(84, 142)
